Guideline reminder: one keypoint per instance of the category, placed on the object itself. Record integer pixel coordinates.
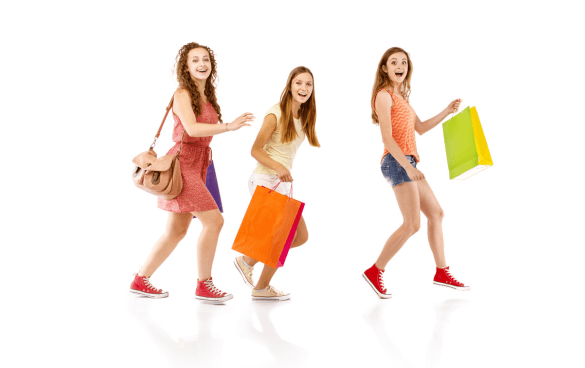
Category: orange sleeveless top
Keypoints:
(403, 120)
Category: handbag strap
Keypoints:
(163, 123)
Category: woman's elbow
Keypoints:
(191, 132)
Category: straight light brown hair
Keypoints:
(383, 81)
(307, 112)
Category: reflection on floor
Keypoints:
(443, 310)
(284, 353)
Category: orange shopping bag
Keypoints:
(269, 226)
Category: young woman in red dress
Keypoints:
(196, 114)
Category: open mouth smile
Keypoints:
(399, 74)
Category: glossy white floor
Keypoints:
(522, 311)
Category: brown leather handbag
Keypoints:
(159, 176)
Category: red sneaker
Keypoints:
(443, 277)
(141, 286)
(374, 277)
(208, 292)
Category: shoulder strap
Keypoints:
(163, 122)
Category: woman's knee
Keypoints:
(214, 223)
(302, 238)
(299, 239)
(412, 226)
(177, 233)
(437, 215)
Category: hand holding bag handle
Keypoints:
(291, 189)
(159, 176)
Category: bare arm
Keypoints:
(423, 127)
(268, 127)
(383, 107)
(182, 107)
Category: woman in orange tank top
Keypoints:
(398, 122)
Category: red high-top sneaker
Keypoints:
(443, 277)
(208, 292)
(141, 286)
(374, 277)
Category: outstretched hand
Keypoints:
(241, 121)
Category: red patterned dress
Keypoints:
(195, 157)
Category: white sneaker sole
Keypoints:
(248, 284)
(464, 288)
(275, 298)
(214, 300)
(149, 295)
(383, 296)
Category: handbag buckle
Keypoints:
(153, 143)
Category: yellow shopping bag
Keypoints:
(465, 144)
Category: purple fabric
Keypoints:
(212, 186)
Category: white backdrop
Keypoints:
(84, 86)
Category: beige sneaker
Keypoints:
(269, 293)
(245, 271)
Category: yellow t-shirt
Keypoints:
(283, 153)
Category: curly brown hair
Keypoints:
(186, 82)
(382, 80)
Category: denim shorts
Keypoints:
(393, 171)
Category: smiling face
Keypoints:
(199, 64)
(302, 87)
(396, 67)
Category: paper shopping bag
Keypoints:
(212, 186)
(268, 227)
(465, 144)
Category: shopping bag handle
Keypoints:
(277, 184)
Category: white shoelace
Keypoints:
(451, 278)
(246, 266)
(148, 284)
(274, 291)
(212, 287)
(381, 280)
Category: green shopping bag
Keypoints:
(465, 144)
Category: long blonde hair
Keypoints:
(383, 81)
(307, 112)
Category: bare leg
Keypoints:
(265, 278)
(434, 214)
(177, 226)
(212, 222)
(407, 196)
(301, 237)
(302, 234)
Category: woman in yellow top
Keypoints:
(284, 128)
